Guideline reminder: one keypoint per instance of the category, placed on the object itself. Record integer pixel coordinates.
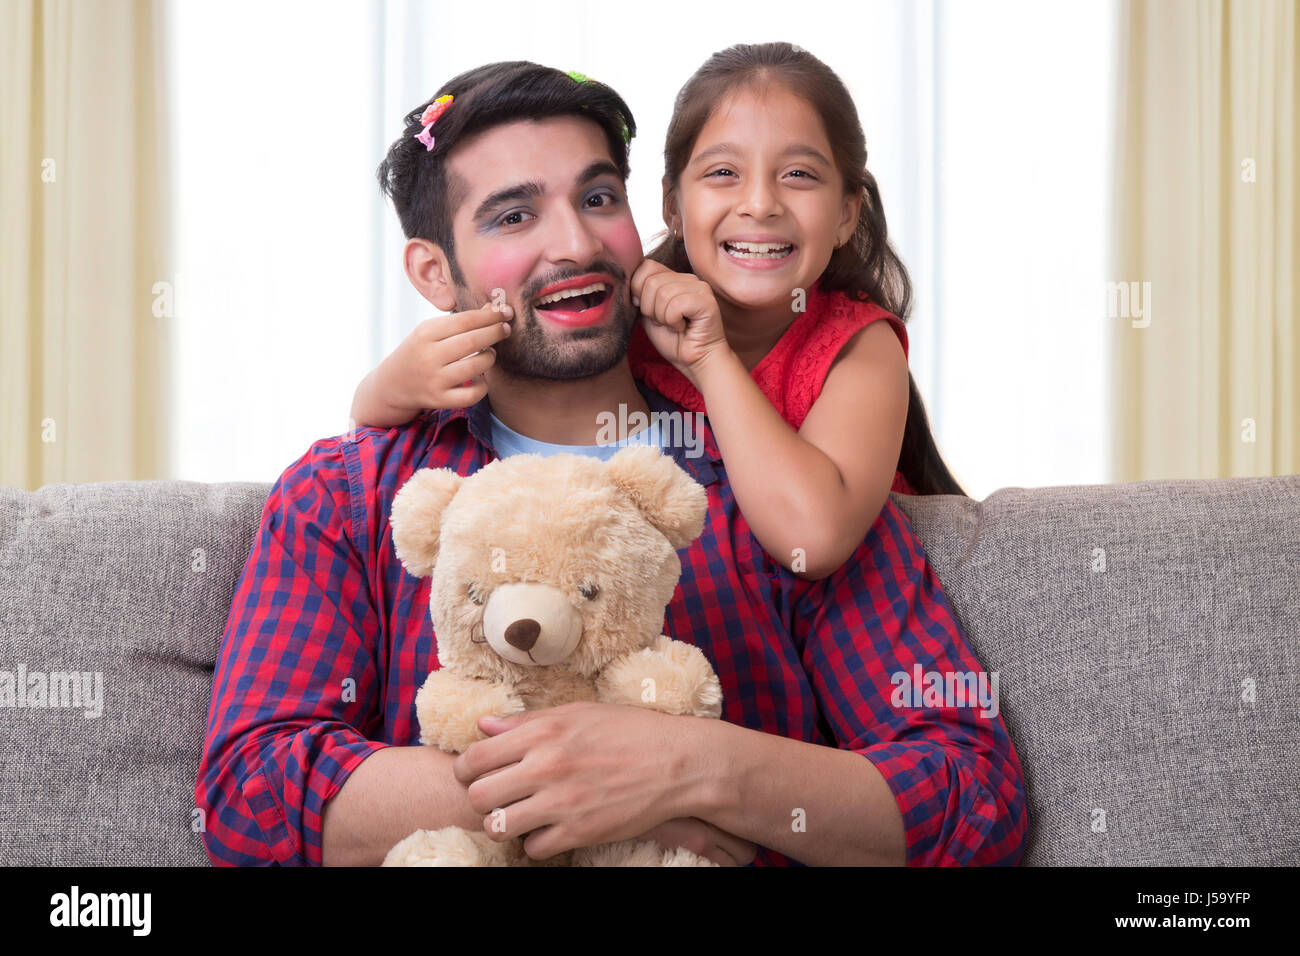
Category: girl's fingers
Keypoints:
(463, 396)
(644, 271)
(467, 343)
(458, 323)
(471, 366)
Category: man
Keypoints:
(312, 748)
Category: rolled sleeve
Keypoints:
(295, 688)
(952, 769)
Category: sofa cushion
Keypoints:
(131, 581)
(1152, 703)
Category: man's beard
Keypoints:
(534, 350)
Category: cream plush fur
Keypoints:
(550, 580)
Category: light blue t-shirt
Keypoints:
(509, 442)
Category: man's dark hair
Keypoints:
(416, 179)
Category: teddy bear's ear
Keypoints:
(417, 517)
(671, 500)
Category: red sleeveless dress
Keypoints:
(792, 374)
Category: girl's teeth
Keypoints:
(757, 250)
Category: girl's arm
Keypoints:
(811, 497)
(429, 368)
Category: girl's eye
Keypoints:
(803, 172)
(717, 171)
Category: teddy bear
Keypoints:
(550, 579)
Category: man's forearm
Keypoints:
(818, 805)
(390, 795)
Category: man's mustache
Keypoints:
(609, 268)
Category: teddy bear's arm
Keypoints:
(670, 676)
(449, 707)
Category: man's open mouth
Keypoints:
(576, 300)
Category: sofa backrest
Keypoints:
(1145, 638)
(132, 581)
(1147, 641)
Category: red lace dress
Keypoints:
(792, 374)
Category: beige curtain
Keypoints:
(1206, 186)
(83, 359)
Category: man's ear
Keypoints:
(430, 272)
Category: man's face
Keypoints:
(544, 212)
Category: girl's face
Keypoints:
(760, 204)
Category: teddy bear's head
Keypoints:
(562, 561)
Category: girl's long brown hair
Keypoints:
(866, 267)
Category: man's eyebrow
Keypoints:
(528, 190)
(796, 149)
(514, 193)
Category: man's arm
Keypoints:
(953, 773)
(295, 696)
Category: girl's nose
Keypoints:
(759, 200)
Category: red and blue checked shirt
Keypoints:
(329, 638)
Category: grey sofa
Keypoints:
(1146, 638)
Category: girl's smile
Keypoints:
(761, 203)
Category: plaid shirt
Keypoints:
(329, 638)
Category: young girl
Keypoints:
(762, 308)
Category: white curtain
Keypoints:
(83, 173)
(1207, 353)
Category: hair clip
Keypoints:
(582, 78)
(431, 114)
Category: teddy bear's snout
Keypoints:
(523, 634)
(531, 624)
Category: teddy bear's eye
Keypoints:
(474, 593)
(588, 590)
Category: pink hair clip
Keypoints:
(431, 114)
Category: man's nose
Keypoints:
(573, 239)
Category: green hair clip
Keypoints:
(582, 78)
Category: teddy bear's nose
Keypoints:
(523, 633)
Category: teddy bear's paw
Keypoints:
(622, 853)
(637, 853)
(454, 846)
(449, 708)
(671, 676)
(680, 856)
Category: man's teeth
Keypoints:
(758, 250)
(572, 293)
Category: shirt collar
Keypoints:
(478, 419)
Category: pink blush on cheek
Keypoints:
(505, 269)
(624, 242)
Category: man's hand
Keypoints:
(587, 773)
(703, 839)
(681, 316)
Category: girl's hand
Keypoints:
(681, 316)
(439, 365)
